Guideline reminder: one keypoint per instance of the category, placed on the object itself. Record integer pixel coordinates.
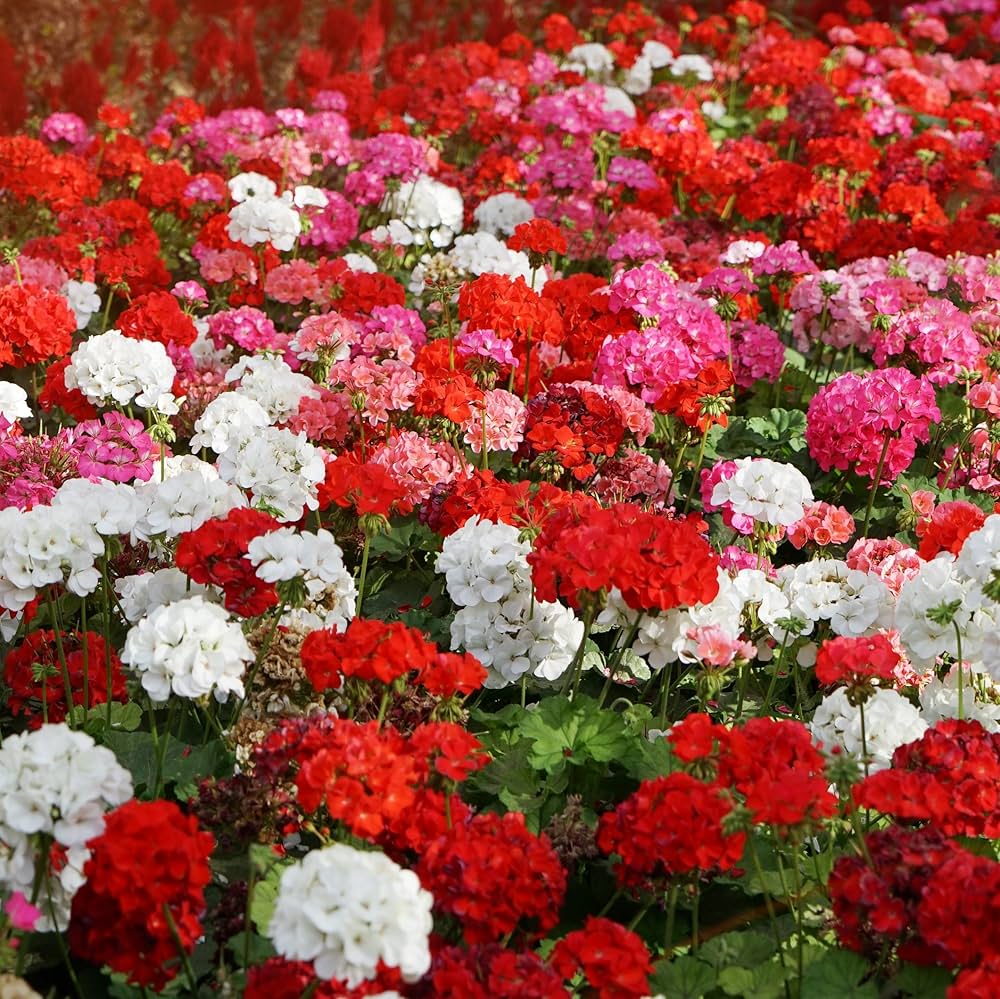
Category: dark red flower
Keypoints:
(614, 960)
(495, 877)
(145, 885)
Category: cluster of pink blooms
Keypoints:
(871, 423)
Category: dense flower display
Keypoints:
(500, 500)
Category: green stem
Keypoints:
(665, 693)
(769, 905)
(668, 936)
(61, 943)
(178, 943)
(961, 671)
(106, 601)
(797, 879)
(875, 484)
(160, 745)
(61, 652)
(575, 671)
(364, 573)
(85, 653)
(697, 469)
(778, 662)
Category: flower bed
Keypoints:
(517, 521)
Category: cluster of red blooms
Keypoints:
(277, 978)
(657, 563)
(858, 664)
(215, 553)
(613, 959)
(946, 529)
(948, 778)
(539, 237)
(362, 486)
(377, 651)
(673, 826)
(523, 504)
(382, 785)
(922, 897)
(129, 919)
(489, 971)
(34, 673)
(701, 401)
(494, 876)
(35, 324)
(575, 425)
(157, 315)
(678, 825)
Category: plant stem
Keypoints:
(668, 936)
(364, 573)
(697, 469)
(61, 651)
(875, 484)
(178, 943)
(772, 917)
(961, 671)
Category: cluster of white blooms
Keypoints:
(13, 402)
(185, 500)
(431, 210)
(890, 721)
(742, 251)
(481, 253)
(940, 608)
(590, 59)
(854, 602)
(111, 508)
(269, 381)
(939, 699)
(769, 492)
(598, 63)
(203, 349)
(141, 594)
(639, 76)
(280, 469)
(316, 560)
(227, 420)
(82, 299)
(500, 214)
(665, 638)
(348, 910)
(487, 575)
(46, 545)
(115, 368)
(190, 648)
(57, 782)
(261, 216)
(695, 65)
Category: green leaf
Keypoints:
(573, 732)
(183, 765)
(838, 975)
(403, 539)
(645, 760)
(922, 981)
(256, 949)
(766, 981)
(737, 949)
(682, 978)
(265, 891)
(125, 717)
